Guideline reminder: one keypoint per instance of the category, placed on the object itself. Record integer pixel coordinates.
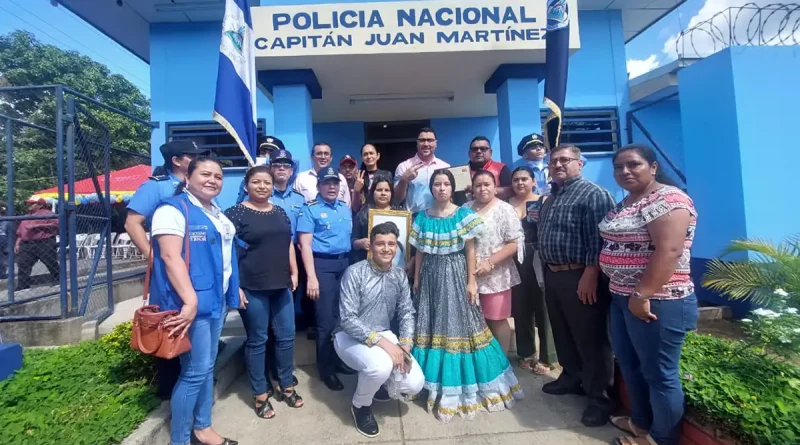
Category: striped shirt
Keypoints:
(568, 232)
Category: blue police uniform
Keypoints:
(151, 193)
(331, 224)
(291, 202)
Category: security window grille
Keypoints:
(593, 130)
(212, 136)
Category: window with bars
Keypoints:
(593, 130)
(212, 136)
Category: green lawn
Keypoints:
(93, 393)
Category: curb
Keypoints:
(230, 365)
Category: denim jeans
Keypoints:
(649, 356)
(264, 309)
(194, 393)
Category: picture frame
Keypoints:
(402, 219)
(462, 176)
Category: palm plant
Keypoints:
(770, 267)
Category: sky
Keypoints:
(57, 26)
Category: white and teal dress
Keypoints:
(465, 367)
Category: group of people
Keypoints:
(535, 240)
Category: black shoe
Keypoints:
(594, 416)
(341, 368)
(333, 383)
(382, 395)
(225, 441)
(365, 421)
(559, 388)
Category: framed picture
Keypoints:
(462, 176)
(400, 218)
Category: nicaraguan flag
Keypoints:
(235, 104)
(556, 66)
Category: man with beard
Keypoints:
(480, 158)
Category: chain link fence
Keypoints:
(69, 167)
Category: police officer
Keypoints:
(266, 146)
(283, 194)
(177, 156)
(324, 228)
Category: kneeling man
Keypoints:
(373, 293)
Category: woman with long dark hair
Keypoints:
(367, 174)
(381, 197)
(263, 230)
(527, 299)
(646, 254)
(465, 367)
(202, 293)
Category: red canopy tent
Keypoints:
(123, 183)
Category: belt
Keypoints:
(565, 267)
(330, 256)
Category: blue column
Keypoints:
(517, 114)
(293, 122)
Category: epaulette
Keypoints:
(160, 178)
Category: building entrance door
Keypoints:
(395, 141)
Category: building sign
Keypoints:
(402, 27)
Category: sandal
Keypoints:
(291, 398)
(628, 440)
(264, 408)
(527, 363)
(626, 425)
(541, 369)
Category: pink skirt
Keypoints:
(496, 306)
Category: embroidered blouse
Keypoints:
(444, 235)
(500, 225)
(627, 245)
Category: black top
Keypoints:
(368, 177)
(263, 245)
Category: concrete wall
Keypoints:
(663, 122)
(183, 71)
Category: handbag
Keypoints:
(149, 335)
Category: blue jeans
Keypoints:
(649, 356)
(265, 308)
(194, 393)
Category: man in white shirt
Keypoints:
(412, 177)
(306, 182)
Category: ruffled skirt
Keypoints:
(465, 368)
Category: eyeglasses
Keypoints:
(481, 148)
(424, 140)
(562, 161)
(281, 166)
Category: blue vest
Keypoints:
(205, 266)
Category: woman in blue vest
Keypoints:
(202, 293)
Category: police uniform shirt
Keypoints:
(169, 220)
(330, 223)
(151, 192)
(291, 202)
(306, 185)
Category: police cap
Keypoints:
(180, 148)
(530, 141)
(327, 174)
(270, 143)
(280, 157)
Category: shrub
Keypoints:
(741, 390)
(92, 393)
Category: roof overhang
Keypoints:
(129, 24)
(658, 84)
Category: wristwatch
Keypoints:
(638, 296)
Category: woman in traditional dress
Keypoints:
(465, 368)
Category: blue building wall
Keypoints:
(183, 68)
(663, 122)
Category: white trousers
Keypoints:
(374, 368)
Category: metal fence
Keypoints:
(69, 166)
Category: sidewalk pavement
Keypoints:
(325, 419)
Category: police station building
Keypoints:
(375, 72)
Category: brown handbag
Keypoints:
(148, 335)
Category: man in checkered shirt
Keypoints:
(576, 291)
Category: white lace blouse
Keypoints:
(500, 225)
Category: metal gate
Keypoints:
(88, 214)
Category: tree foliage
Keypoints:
(24, 61)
